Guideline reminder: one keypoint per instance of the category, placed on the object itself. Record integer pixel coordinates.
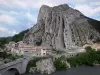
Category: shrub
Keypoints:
(60, 63)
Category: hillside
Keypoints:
(16, 38)
(94, 23)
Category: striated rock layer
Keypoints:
(62, 27)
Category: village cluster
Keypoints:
(21, 48)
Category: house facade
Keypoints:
(74, 51)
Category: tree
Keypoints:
(60, 63)
(88, 48)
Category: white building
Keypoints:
(74, 51)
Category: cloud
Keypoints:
(3, 28)
(29, 16)
(13, 32)
(38, 3)
(5, 31)
(95, 3)
(31, 3)
(82, 5)
(77, 1)
(88, 10)
(4, 18)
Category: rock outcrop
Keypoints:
(62, 27)
(45, 66)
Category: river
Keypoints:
(82, 70)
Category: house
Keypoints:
(95, 46)
(74, 51)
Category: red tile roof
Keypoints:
(31, 47)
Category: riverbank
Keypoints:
(81, 70)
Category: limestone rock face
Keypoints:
(45, 66)
(61, 27)
(33, 36)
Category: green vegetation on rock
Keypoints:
(60, 63)
(90, 58)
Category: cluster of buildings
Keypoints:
(21, 48)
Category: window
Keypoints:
(25, 51)
(43, 49)
(44, 54)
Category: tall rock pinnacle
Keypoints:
(62, 27)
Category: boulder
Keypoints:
(45, 66)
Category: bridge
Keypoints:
(19, 66)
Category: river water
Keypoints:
(82, 70)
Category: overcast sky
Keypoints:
(18, 15)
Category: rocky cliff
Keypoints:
(45, 66)
(62, 27)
